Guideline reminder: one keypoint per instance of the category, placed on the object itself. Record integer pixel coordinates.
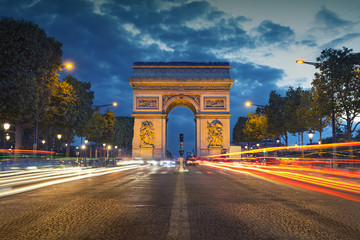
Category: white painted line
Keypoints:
(179, 220)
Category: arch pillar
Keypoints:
(203, 147)
(156, 150)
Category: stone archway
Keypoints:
(159, 87)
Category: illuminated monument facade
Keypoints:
(159, 87)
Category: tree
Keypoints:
(257, 127)
(94, 129)
(109, 129)
(83, 109)
(83, 105)
(29, 61)
(275, 112)
(338, 83)
(124, 131)
(316, 114)
(238, 133)
(294, 112)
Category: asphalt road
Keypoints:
(153, 202)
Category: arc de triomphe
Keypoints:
(159, 87)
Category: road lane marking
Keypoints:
(179, 220)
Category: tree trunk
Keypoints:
(348, 129)
(18, 136)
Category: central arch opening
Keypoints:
(180, 120)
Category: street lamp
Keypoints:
(6, 126)
(68, 65)
(105, 105)
(249, 104)
(300, 61)
(311, 135)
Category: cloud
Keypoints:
(308, 42)
(272, 33)
(330, 19)
(339, 42)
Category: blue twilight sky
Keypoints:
(260, 38)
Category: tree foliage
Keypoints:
(338, 84)
(256, 127)
(109, 129)
(29, 61)
(238, 130)
(95, 127)
(124, 131)
(317, 116)
(275, 112)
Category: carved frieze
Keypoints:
(181, 73)
(215, 133)
(147, 102)
(166, 98)
(147, 134)
(214, 102)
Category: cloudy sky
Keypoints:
(260, 38)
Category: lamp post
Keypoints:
(115, 154)
(104, 152)
(86, 142)
(59, 138)
(6, 135)
(332, 100)
(332, 110)
(311, 135)
(83, 148)
(108, 151)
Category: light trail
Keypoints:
(344, 188)
(44, 182)
(290, 148)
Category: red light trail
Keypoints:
(332, 182)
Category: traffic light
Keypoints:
(181, 137)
